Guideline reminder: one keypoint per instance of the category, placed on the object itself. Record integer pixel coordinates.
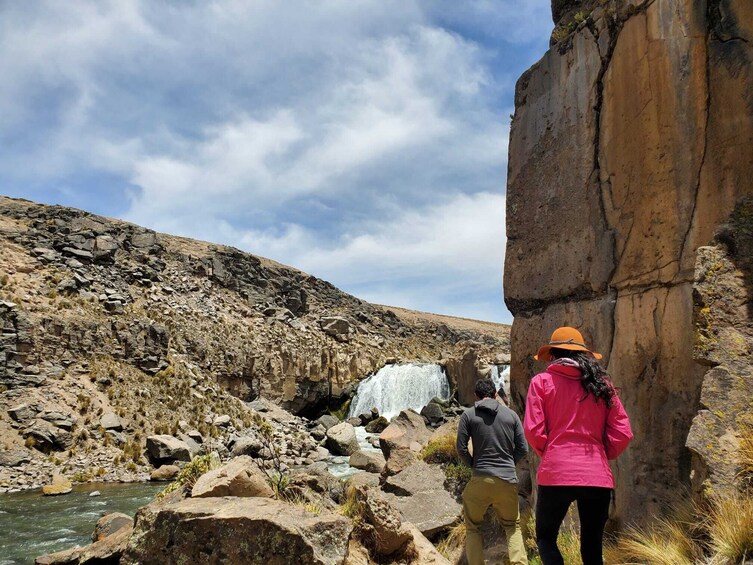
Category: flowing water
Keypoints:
(338, 464)
(501, 378)
(397, 387)
(32, 524)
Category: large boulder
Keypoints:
(369, 461)
(388, 534)
(377, 426)
(238, 477)
(166, 449)
(400, 459)
(418, 493)
(406, 431)
(236, 530)
(342, 440)
(327, 421)
(111, 523)
(164, 473)
(425, 552)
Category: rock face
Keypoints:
(236, 530)
(631, 144)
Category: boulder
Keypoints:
(377, 426)
(195, 435)
(407, 430)
(369, 461)
(58, 419)
(222, 421)
(166, 449)
(388, 535)
(429, 511)
(320, 481)
(335, 326)
(418, 477)
(247, 445)
(111, 523)
(14, 457)
(327, 421)
(164, 473)
(106, 550)
(363, 480)
(59, 485)
(354, 421)
(418, 493)
(236, 530)
(433, 412)
(400, 459)
(238, 477)
(341, 439)
(425, 552)
(23, 413)
(111, 421)
(193, 448)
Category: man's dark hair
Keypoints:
(485, 388)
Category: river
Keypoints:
(32, 524)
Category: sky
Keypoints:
(361, 141)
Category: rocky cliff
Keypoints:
(112, 332)
(631, 147)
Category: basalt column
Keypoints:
(631, 144)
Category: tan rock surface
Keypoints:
(238, 477)
(631, 144)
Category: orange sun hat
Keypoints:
(564, 338)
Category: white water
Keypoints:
(501, 379)
(397, 387)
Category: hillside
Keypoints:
(112, 332)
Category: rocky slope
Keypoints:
(631, 146)
(112, 332)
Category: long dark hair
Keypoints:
(594, 378)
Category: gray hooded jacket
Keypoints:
(498, 440)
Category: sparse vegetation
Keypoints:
(454, 540)
(441, 450)
(188, 476)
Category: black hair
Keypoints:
(594, 378)
(485, 388)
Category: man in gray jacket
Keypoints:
(498, 444)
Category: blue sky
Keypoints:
(362, 141)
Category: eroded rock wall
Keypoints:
(632, 142)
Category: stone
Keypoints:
(363, 480)
(94, 494)
(416, 478)
(222, 421)
(196, 436)
(342, 440)
(389, 535)
(319, 480)
(406, 430)
(23, 413)
(426, 553)
(193, 448)
(327, 421)
(111, 523)
(111, 421)
(166, 449)
(354, 421)
(63, 421)
(164, 473)
(59, 485)
(239, 477)
(400, 459)
(377, 426)
(249, 445)
(14, 457)
(236, 530)
(336, 326)
(107, 550)
(370, 461)
(430, 511)
(433, 412)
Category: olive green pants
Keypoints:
(480, 493)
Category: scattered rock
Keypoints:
(377, 426)
(335, 326)
(239, 477)
(166, 449)
(407, 430)
(342, 440)
(369, 461)
(222, 421)
(327, 421)
(111, 421)
(111, 523)
(14, 457)
(164, 473)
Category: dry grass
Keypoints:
(664, 543)
(441, 449)
(454, 540)
(730, 527)
(745, 454)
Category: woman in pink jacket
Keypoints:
(575, 421)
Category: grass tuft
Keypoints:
(730, 526)
(442, 449)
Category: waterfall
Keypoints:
(501, 379)
(397, 387)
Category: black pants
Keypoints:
(593, 511)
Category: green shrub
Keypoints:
(188, 476)
(441, 449)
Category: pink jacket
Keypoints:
(575, 438)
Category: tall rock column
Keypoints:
(632, 141)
